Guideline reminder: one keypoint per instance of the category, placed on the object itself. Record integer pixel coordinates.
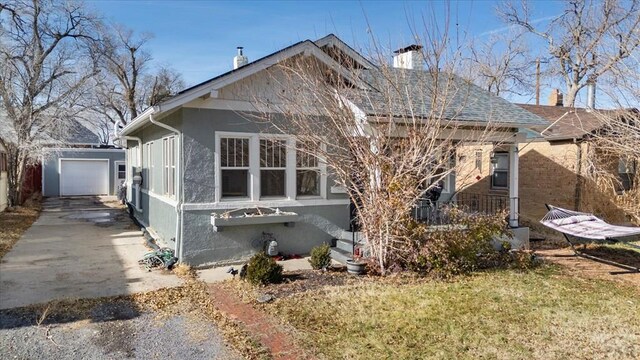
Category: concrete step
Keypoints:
(345, 245)
(340, 255)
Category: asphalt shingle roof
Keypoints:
(566, 123)
(464, 101)
(401, 92)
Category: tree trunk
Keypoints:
(570, 97)
(17, 165)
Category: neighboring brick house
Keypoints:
(560, 168)
(554, 168)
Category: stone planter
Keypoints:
(355, 267)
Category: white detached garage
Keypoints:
(82, 171)
(84, 177)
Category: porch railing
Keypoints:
(482, 203)
(433, 214)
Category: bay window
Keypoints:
(263, 167)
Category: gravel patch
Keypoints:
(112, 331)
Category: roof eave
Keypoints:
(139, 121)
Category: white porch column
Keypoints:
(514, 198)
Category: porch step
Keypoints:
(345, 245)
(340, 255)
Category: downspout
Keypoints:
(135, 184)
(179, 192)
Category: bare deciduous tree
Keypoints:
(502, 65)
(588, 41)
(613, 159)
(124, 62)
(47, 56)
(128, 84)
(164, 83)
(387, 135)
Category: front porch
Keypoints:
(432, 213)
(489, 202)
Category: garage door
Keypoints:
(84, 177)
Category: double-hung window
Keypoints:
(234, 167)
(149, 179)
(273, 167)
(122, 171)
(500, 170)
(307, 171)
(169, 165)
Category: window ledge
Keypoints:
(286, 218)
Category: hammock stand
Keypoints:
(585, 228)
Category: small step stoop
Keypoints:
(344, 248)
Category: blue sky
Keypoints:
(199, 38)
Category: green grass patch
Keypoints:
(501, 314)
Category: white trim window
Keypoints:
(150, 166)
(169, 166)
(266, 167)
(273, 168)
(500, 170)
(121, 171)
(308, 174)
(234, 167)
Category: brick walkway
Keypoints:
(261, 326)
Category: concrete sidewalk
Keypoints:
(217, 274)
(78, 248)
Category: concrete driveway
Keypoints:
(78, 248)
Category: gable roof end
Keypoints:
(306, 47)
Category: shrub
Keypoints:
(510, 259)
(452, 249)
(320, 257)
(262, 269)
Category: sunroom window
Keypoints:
(234, 166)
(169, 165)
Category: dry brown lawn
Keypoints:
(548, 313)
(14, 222)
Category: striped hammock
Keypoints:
(586, 226)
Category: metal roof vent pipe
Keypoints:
(591, 95)
(239, 60)
(409, 57)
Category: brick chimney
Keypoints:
(555, 98)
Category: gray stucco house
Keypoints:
(199, 155)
